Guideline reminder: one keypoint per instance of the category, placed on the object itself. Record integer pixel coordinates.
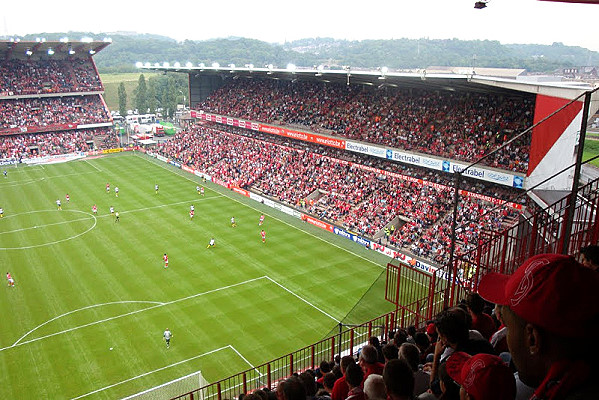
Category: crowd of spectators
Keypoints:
(47, 112)
(452, 124)
(345, 193)
(541, 353)
(26, 77)
(19, 147)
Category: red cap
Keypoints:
(483, 376)
(552, 291)
(430, 329)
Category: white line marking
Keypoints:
(148, 373)
(246, 360)
(84, 160)
(81, 309)
(270, 215)
(134, 312)
(56, 241)
(302, 299)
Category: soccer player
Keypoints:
(117, 217)
(198, 189)
(261, 220)
(11, 281)
(5, 174)
(95, 209)
(233, 223)
(108, 188)
(191, 212)
(1, 212)
(116, 191)
(263, 234)
(167, 337)
(202, 190)
(111, 210)
(165, 258)
(211, 244)
(68, 198)
(156, 188)
(59, 204)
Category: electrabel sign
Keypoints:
(484, 174)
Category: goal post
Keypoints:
(173, 388)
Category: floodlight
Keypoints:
(291, 67)
(165, 64)
(202, 65)
(92, 51)
(147, 64)
(50, 51)
(215, 65)
(384, 70)
(232, 66)
(107, 40)
(188, 64)
(157, 65)
(64, 40)
(29, 52)
(139, 64)
(87, 39)
(71, 51)
(177, 65)
(250, 66)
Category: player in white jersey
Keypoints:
(1, 212)
(198, 189)
(167, 337)
(59, 204)
(112, 210)
(233, 223)
(211, 244)
(116, 191)
(156, 188)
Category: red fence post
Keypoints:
(268, 377)
(312, 356)
(245, 383)
(218, 390)
(369, 329)
(291, 370)
(386, 331)
(351, 342)
(333, 348)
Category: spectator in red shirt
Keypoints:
(369, 361)
(354, 376)
(480, 321)
(340, 388)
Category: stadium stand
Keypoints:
(460, 125)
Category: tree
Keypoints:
(169, 101)
(122, 99)
(141, 93)
(152, 99)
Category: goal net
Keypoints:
(174, 388)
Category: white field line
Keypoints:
(87, 162)
(271, 216)
(148, 373)
(246, 360)
(302, 299)
(132, 312)
(81, 309)
(11, 184)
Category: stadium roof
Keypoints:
(46, 50)
(464, 80)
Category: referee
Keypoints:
(167, 338)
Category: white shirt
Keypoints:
(167, 334)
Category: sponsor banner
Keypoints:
(403, 257)
(37, 129)
(241, 191)
(351, 236)
(133, 149)
(162, 158)
(98, 125)
(176, 164)
(109, 151)
(8, 162)
(221, 183)
(186, 168)
(93, 153)
(60, 158)
(317, 222)
(485, 174)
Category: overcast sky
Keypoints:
(509, 21)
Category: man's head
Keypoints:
(345, 362)
(374, 387)
(354, 375)
(409, 353)
(590, 257)
(482, 377)
(453, 326)
(475, 303)
(399, 380)
(291, 389)
(390, 351)
(368, 355)
(328, 381)
(549, 306)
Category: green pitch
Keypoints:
(86, 284)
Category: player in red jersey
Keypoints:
(108, 188)
(261, 220)
(95, 209)
(165, 258)
(68, 197)
(191, 212)
(11, 281)
(263, 234)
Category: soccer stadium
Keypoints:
(302, 222)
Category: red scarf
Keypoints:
(562, 378)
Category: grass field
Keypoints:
(86, 284)
(111, 84)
